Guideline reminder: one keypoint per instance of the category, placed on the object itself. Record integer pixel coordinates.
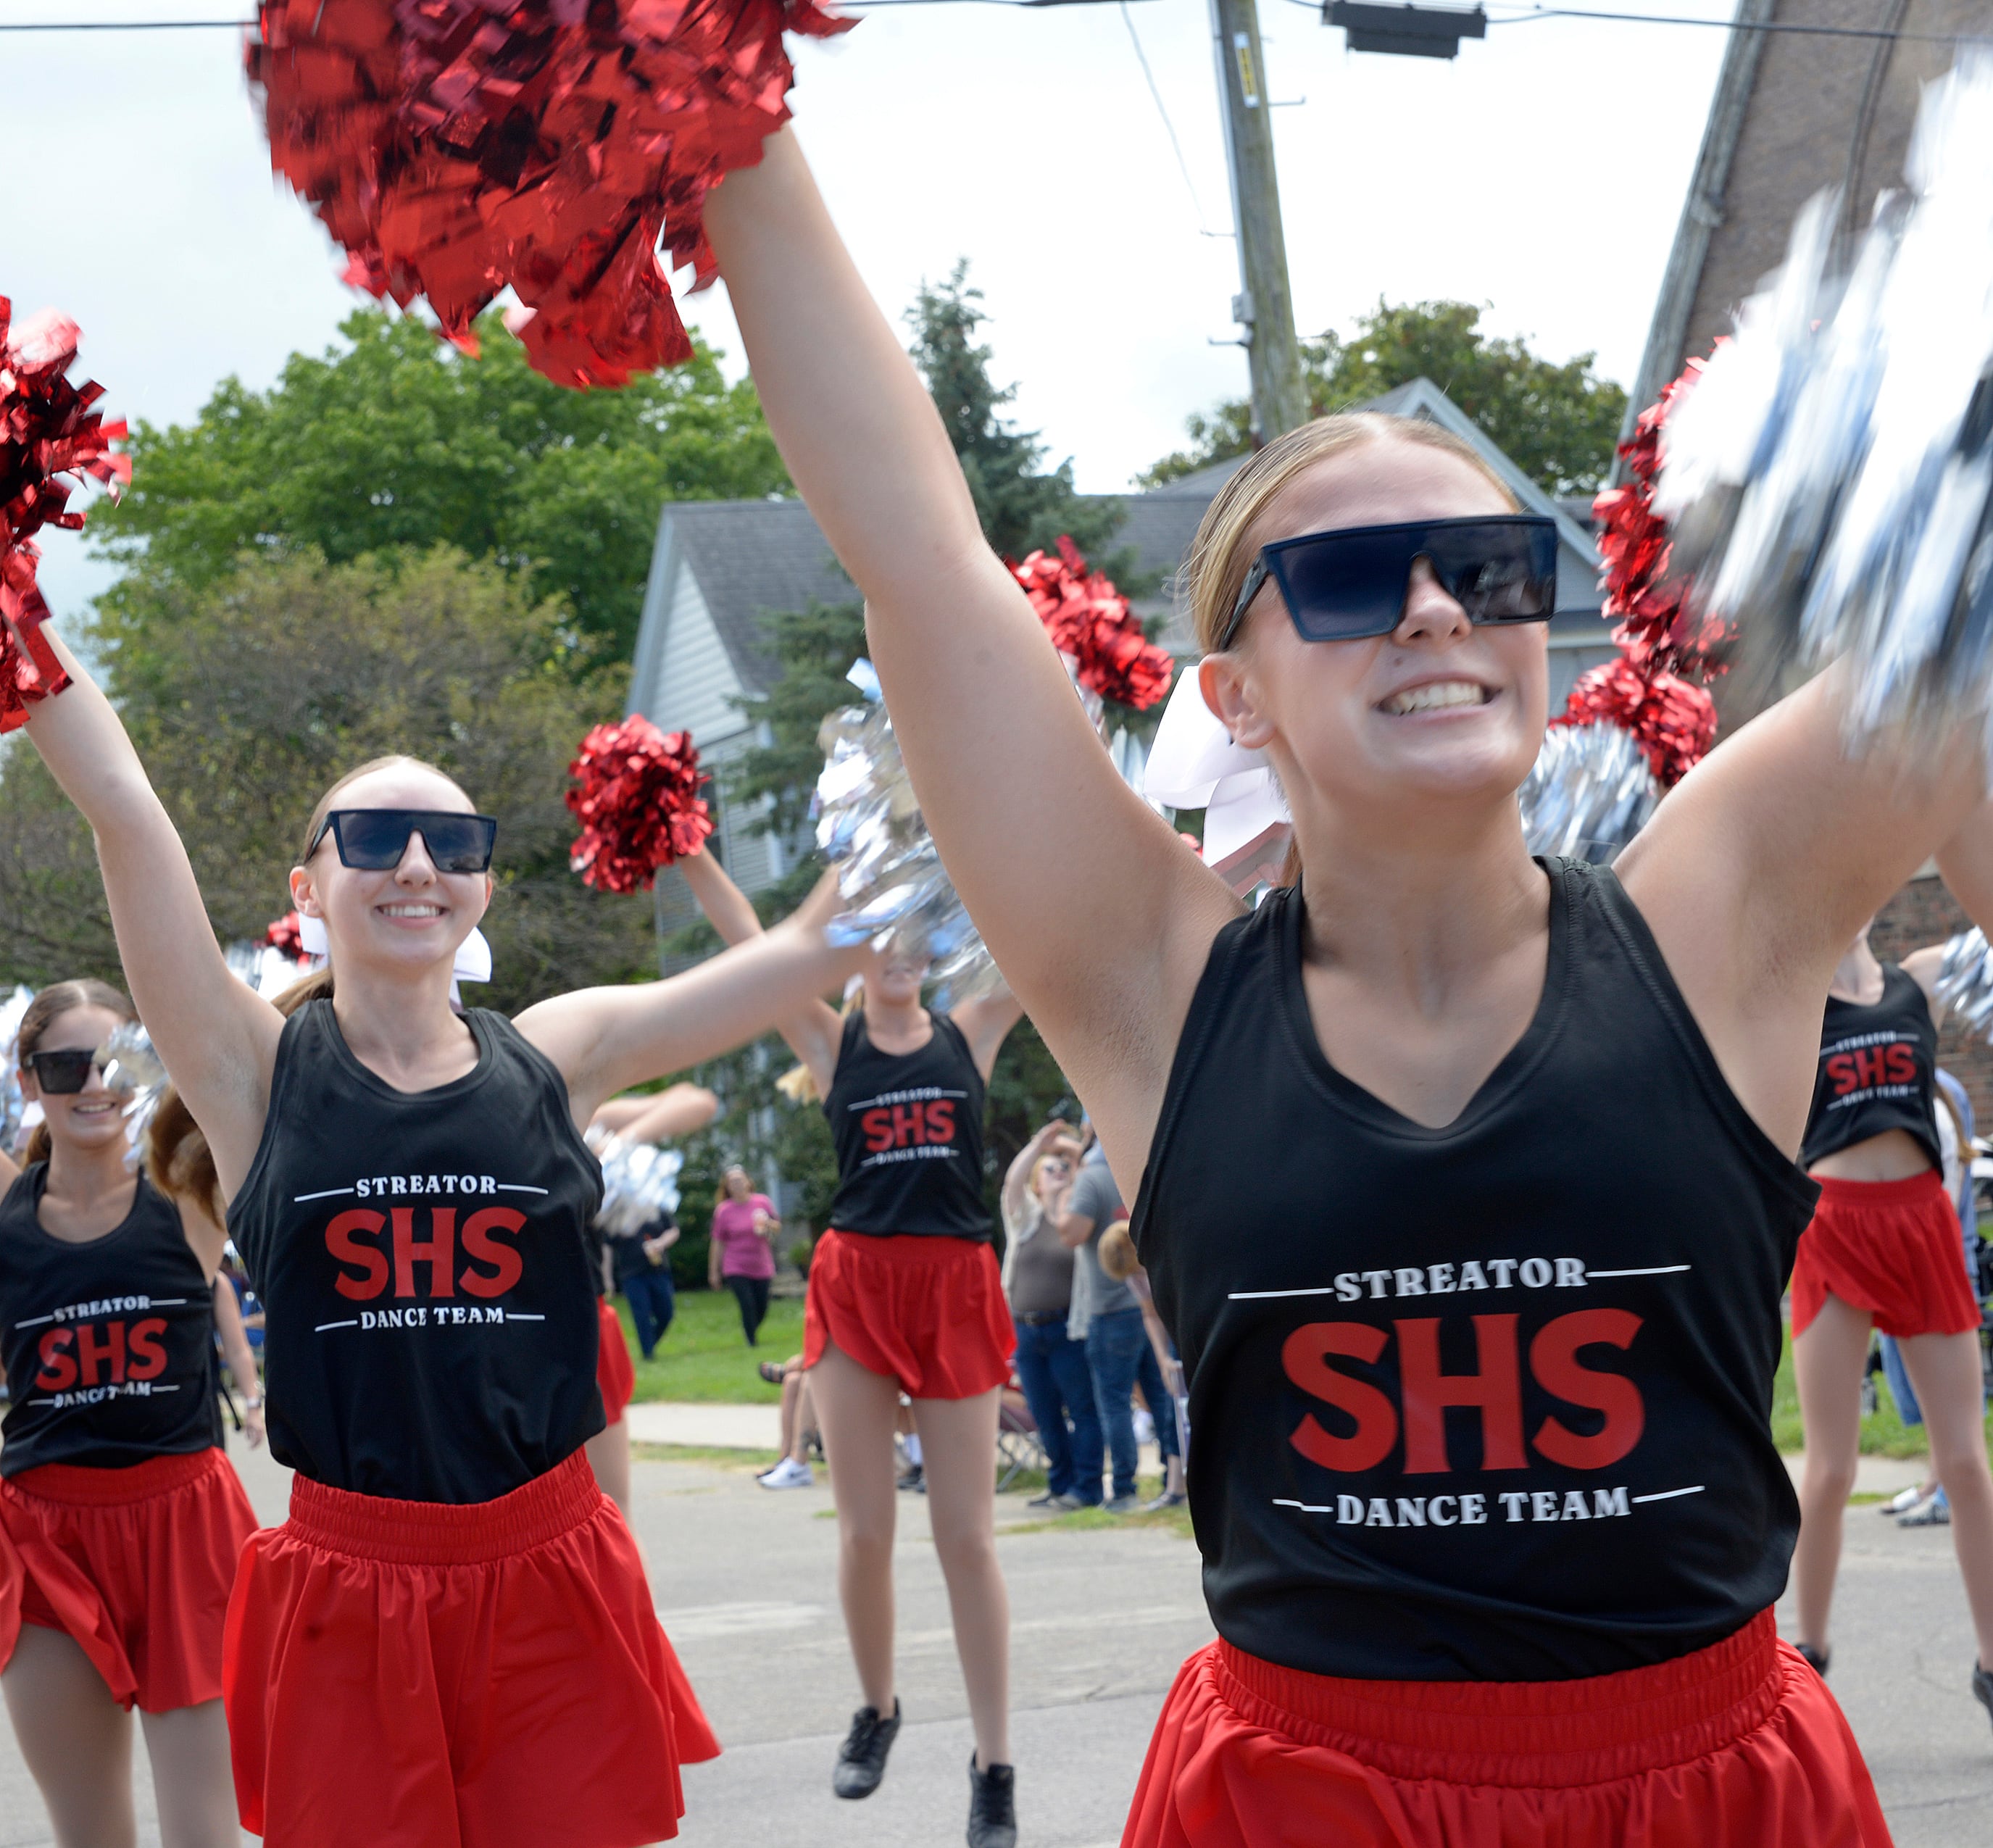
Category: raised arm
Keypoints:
(217, 1036)
(986, 1024)
(604, 1039)
(1098, 919)
(1017, 1176)
(677, 1110)
(1758, 870)
(239, 1357)
(814, 1031)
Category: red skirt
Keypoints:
(135, 1563)
(421, 1674)
(1890, 1247)
(1736, 1746)
(615, 1372)
(928, 1312)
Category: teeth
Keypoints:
(412, 910)
(1435, 695)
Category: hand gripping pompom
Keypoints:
(638, 803)
(48, 436)
(1964, 984)
(639, 1184)
(455, 147)
(1094, 626)
(1829, 481)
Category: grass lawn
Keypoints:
(1883, 1434)
(703, 1356)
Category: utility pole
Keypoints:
(1262, 307)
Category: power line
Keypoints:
(1810, 32)
(1169, 127)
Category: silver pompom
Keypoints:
(1829, 479)
(639, 1184)
(133, 1071)
(1964, 984)
(12, 1102)
(1590, 792)
(267, 970)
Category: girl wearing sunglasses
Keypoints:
(1468, 1181)
(451, 1641)
(121, 1517)
(905, 1296)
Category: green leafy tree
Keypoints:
(246, 697)
(394, 439)
(1558, 424)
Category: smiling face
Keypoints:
(736, 1183)
(411, 917)
(93, 1118)
(894, 979)
(1050, 1173)
(1437, 710)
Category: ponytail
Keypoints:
(178, 1160)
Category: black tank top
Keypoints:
(109, 1345)
(908, 1131)
(1875, 1072)
(1490, 1402)
(425, 1267)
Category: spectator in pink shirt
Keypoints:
(743, 1251)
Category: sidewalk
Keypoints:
(716, 1427)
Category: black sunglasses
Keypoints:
(374, 840)
(1343, 586)
(64, 1073)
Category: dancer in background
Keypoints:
(231, 1340)
(451, 1640)
(120, 1517)
(1467, 1185)
(904, 1295)
(1883, 1252)
(679, 1111)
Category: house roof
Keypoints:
(751, 558)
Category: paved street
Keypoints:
(745, 1579)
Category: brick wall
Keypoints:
(1924, 913)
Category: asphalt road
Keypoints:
(745, 1580)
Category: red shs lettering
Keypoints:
(437, 1251)
(941, 1121)
(1900, 1062)
(1840, 1069)
(1305, 1359)
(58, 1372)
(339, 1240)
(507, 1265)
(1553, 1360)
(878, 1127)
(145, 1358)
(1496, 1391)
(90, 1350)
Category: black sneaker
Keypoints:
(915, 1479)
(1815, 1659)
(861, 1759)
(992, 1806)
(1982, 1687)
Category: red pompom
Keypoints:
(1089, 620)
(638, 803)
(48, 436)
(1672, 720)
(1654, 627)
(284, 934)
(453, 147)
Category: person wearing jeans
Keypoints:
(1051, 1366)
(643, 1274)
(742, 1254)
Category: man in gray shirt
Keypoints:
(1107, 1315)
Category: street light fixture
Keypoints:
(1406, 31)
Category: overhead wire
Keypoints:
(1169, 127)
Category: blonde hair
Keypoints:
(1220, 557)
(58, 998)
(1038, 1167)
(798, 1083)
(1117, 1252)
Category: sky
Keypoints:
(1541, 174)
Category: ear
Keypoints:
(304, 892)
(31, 1089)
(1230, 694)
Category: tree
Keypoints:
(1558, 424)
(245, 699)
(395, 439)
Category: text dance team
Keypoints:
(1468, 1191)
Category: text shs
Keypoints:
(113, 1353)
(915, 1126)
(1870, 1067)
(482, 1259)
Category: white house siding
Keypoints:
(696, 685)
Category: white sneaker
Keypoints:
(788, 1473)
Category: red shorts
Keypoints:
(928, 1312)
(1890, 1247)
(1736, 1746)
(615, 1372)
(135, 1563)
(422, 1674)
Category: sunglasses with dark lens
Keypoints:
(1343, 586)
(374, 840)
(64, 1073)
